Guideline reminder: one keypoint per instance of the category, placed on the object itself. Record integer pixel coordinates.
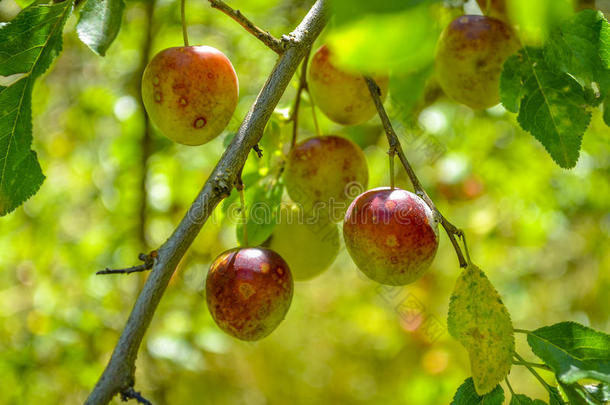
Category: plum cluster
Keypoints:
(190, 94)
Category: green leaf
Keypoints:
(552, 104)
(573, 351)
(99, 23)
(467, 395)
(577, 395)
(262, 204)
(578, 45)
(601, 392)
(480, 322)
(536, 18)
(520, 399)
(408, 34)
(29, 44)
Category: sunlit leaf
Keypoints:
(99, 23)
(534, 19)
(408, 36)
(573, 351)
(480, 322)
(29, 44)
(551, 104)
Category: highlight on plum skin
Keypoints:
(190, 93)
(249, 291)
(391, 235)
(342, 96)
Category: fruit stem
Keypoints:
(185, 34)
(463, 236)
(294, 115)
(451, 230)
(239, 186)
(510, 388)
(391, 154)
(534, 373)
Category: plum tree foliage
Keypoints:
(392, 235)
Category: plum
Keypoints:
(342, 96)
(190, 93)
(391, 234)
(249, 291)
(323, 172)
(469, 59)
(309, 245)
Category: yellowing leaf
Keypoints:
(480, 322)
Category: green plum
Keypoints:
(309, 245)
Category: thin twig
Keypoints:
(259, 152)
(130, 393)
(534, 373)
(149, 261)
(272, 42)
(119, 374)
(452, 230)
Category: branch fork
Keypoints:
(119, 374)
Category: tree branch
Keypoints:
(272, 42)
(119, 375)
(396, 148)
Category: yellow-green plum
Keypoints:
(324, 173)
(308, 244)
(391, 234)
(342, 96)
(469, 59)
(249, 291)
(190, 93)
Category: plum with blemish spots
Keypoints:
(325, 173)
(391, 234)
(249, 291)
(469, 58)
(342, 96)
(310, 245)
(190, 93)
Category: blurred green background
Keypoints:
(541, 233)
